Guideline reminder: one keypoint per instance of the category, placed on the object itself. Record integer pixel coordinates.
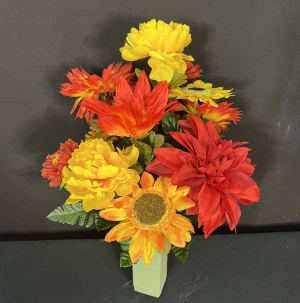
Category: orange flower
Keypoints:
(193, 71)
(149, 217)
(221, 115)
(136, 111)
(85, 85)
(55, 163)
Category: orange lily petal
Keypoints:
(147, 180)
(136, 246)
(113, 214)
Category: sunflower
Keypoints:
(163, 43)
(149, 217)
(200, 91)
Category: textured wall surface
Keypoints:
(252, 46)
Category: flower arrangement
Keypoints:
(155, 163)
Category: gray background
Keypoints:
(252, 46)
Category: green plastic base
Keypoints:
(150, 279)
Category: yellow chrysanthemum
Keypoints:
(149, 217)
(163, 43)
(200, 91)
(96, 172)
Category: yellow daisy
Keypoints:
(200, 91)
(149, 217)
(163, 43)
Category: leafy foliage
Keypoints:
(178, 80)
(124, 255)
(102, 224)
(73, 214)
(170, 123)
(181, 252)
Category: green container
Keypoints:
(150, 279)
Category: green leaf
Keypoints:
(158, 141)
(181, 252)
(170, 123)
(95, 127)
(124, 255)
(125, 244)
(72, 214)
(145, 150)
(138, 167)
(102, 224)
(125, 259)
(138, 72)
(178, 80)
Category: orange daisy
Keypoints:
(149, 217)
(221, 115)
(83, 85)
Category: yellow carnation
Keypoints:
(163, 43)
(96, 172)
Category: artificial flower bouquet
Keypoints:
(155, 163)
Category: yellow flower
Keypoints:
(200, 91)
(163, 43)
(149, 217)
(96, 172)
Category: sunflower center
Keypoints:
(149, 208)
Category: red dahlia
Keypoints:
(54, 164)
(217, 171)
(193, 71)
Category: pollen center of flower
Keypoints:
(149, 208)
(198, 91)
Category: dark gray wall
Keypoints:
(252, 46)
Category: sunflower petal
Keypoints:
(183, 223)
(137, 246)
(113, 214)
(177, 237)
(116, 230)
(148, 251)
(158, 241)
(182, 203)
(147, 180)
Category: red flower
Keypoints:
(221, 115)
(85, 85)
(54, 164)
(217, 171)
(136, 111)
(192, 71)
